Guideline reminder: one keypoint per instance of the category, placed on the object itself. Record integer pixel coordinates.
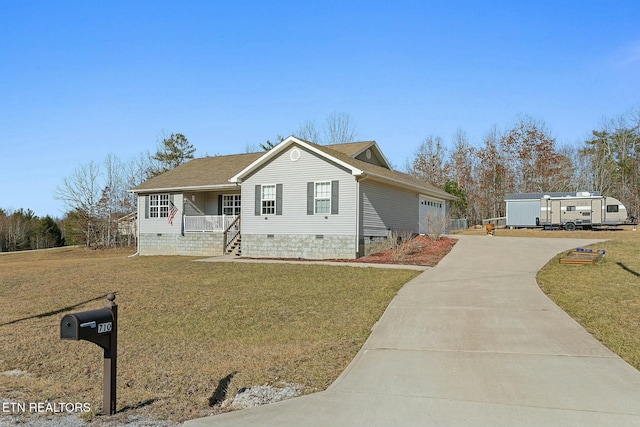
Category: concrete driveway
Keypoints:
(471, 342)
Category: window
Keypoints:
(231, 204)
(268, 199)
(159, 205)
(322, 197)
(612, 208)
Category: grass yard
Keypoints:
(183, 326)
(604, 298)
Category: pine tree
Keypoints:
(172, 152)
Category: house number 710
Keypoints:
(104, 327)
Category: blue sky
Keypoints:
(83, 79)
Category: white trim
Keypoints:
(161, 206)
(263, 199)
(294, 155)
(235, 209)
(283, 146)
(185, 188)
(316, 198)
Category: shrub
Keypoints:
(435, 224)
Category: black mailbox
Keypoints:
(94, 326)
(99, 327)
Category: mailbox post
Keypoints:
(101, 328)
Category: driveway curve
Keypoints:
(471, 342)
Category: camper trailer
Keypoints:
(582, 210)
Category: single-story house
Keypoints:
(297, 200)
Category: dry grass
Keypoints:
(183, 326)
(605, 297)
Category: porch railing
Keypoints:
(207, 223)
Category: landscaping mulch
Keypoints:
(421, 250)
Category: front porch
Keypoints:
(227, 225)
(209, 223)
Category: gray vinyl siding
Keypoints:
(385, 208)
(160, 225)
(209, 202)
(294, 177)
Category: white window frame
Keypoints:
(159, 205)
(268, 204)
(231, 204)
(324, 197)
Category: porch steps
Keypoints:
(235, 248)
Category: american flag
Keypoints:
(172, 212)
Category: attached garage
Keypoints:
(430, 210)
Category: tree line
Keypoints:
(23, 230)
(526, 158)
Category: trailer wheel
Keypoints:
(570, 226)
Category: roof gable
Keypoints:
(367, 151)
(340, 159)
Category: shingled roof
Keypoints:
(216, 172)
(200, 174)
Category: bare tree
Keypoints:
(493, 176)
(429, 163)
(435, 224)
(461, 164)
(80, 192)
(532, 156)
(309, 132)
(612, 155)
(339, 129)
(114, 197)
